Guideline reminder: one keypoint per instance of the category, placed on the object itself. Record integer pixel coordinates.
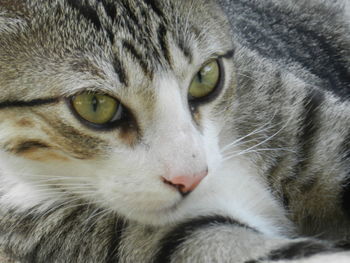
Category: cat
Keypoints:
(161, 131)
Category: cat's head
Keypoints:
(111, 102)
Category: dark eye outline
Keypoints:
(215, 92)
(115, 123)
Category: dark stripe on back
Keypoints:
(339, 75)
(343, 244)
(345, 151)
(138, 57)
(308, 130)
(294, 251)
(49, 242)
(110, 9)
(116, 238)
(309, 127)
(345, 192)
(174, 239)
(110, 36)
(345, 195)
(272, 174)
(88, 12)
(31, 103)
(305, 44)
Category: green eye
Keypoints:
(205, 81)
(96, 108)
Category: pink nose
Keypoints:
(186, 183)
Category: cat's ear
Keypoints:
(13, 14)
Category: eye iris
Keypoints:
(95, 108)
(205, 80)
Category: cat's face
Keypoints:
(104, 102)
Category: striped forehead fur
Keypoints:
(125, 34)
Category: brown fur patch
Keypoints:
(36, 150)
(197, 117)
(25, 123)
(28, 146)
(71, 140)
(129, 137)
(44, 155)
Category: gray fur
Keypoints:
(302, 79)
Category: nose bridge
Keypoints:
(179, 143)
(179, 140)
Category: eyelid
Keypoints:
(101, 91)
(92, 90)
(229, 54)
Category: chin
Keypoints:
(156, 208)
(162, 216)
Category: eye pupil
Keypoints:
(94, 104)
(200, 76)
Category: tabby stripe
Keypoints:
(330, 66)
(310, 126)
(345, 193)
(162, 34)
(117, 65)
(154, 5)
(31, 103)
(29, 145)
(229, 54)
(340, 75)
(132, 50)
(297, 250)
(110, 35)
(343, 245)
(130, 13)
(346, 148)
(67, 224)
(110, 9)
(111, 12)
(174, 239)
(294, 251)
(185, 49)
(116, 238)
(88, 12)
(271, 174)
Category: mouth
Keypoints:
(169, 208)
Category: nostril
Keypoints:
(185, 183)
(179, 187)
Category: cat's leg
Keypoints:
(76, 237)
(221, 239)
